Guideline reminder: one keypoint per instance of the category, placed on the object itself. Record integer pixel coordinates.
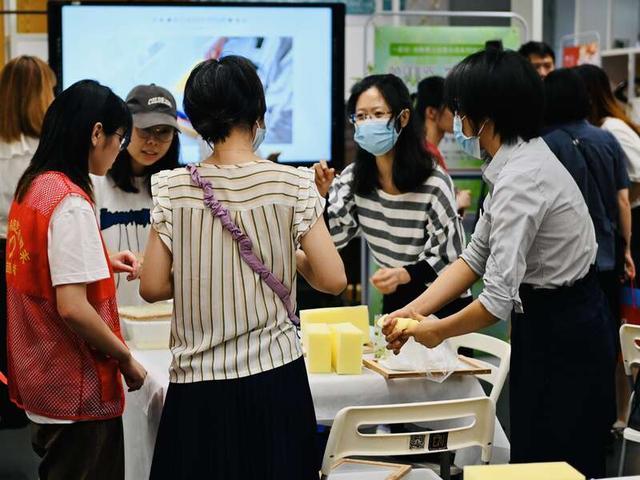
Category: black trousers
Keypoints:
(91, 450)
(635, 236)
(562, 376)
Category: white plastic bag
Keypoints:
(416, 357)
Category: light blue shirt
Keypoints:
(535, 228)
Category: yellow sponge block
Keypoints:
(317, 343)
(523, 471)
(346, 349)
(358, 316)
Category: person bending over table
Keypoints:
(534, 248)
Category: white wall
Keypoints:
(626, 21)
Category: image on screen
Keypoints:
(122, 46)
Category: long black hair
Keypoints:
(412, 165)
(122, 172)
(65, 141)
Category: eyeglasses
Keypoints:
(162, 134)
(357, 118)
(124, 140)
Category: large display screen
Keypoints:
(298, 50)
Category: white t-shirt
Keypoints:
(125, 222)
(630, 143)
(14, 160)
(75, 254)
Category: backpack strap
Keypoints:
(245, 244)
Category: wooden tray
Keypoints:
(466, 366)
(396, 470)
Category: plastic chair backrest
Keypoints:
(346, 441)
(493, 346)
(629, 335)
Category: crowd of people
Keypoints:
(96, 211)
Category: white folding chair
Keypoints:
(494, 347)
(629, 338)
(346, 440)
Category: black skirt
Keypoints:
(260, 427)
(561, 378)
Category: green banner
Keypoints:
(414, 53)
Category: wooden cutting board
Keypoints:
(466, 366)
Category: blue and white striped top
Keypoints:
(403, 229)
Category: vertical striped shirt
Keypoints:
(403, 229)
(227, 322)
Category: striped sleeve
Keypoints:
(161, 215)
(342, 210)
(309, 206)
(444, 232)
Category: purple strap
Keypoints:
(246, 246)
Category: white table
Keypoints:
(330, 393)
(414, 474)
(636, 477)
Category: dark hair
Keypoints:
(412, 165)
(603, 103)
(65, 141)
(122, 173)
(430, 94)
(566, 97)
(223, 94)
(501, 86)
(537, 48)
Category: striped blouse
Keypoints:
(401, 230)
(227, 322)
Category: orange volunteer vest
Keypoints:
(51, 370)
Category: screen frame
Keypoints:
(338, 12)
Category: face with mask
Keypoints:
(376, 128)
(469, 144)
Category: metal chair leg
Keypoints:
(623, 454)
(445, 465)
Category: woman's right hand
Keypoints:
(396, 340)
(424, 332)
(324, 177)
(133, 372)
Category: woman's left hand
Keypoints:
(387, 280)
(425, 332)
(629, 266)
(126, 262)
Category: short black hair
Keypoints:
(430, 94)
(501, 86)
(65, 141)
(566, 97)
(121, 172)
(223, 94)
(412, 165)
(537, 48)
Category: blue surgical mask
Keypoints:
(259, 137)
(470, 145)
(376, 136)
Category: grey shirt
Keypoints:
(535, 228)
